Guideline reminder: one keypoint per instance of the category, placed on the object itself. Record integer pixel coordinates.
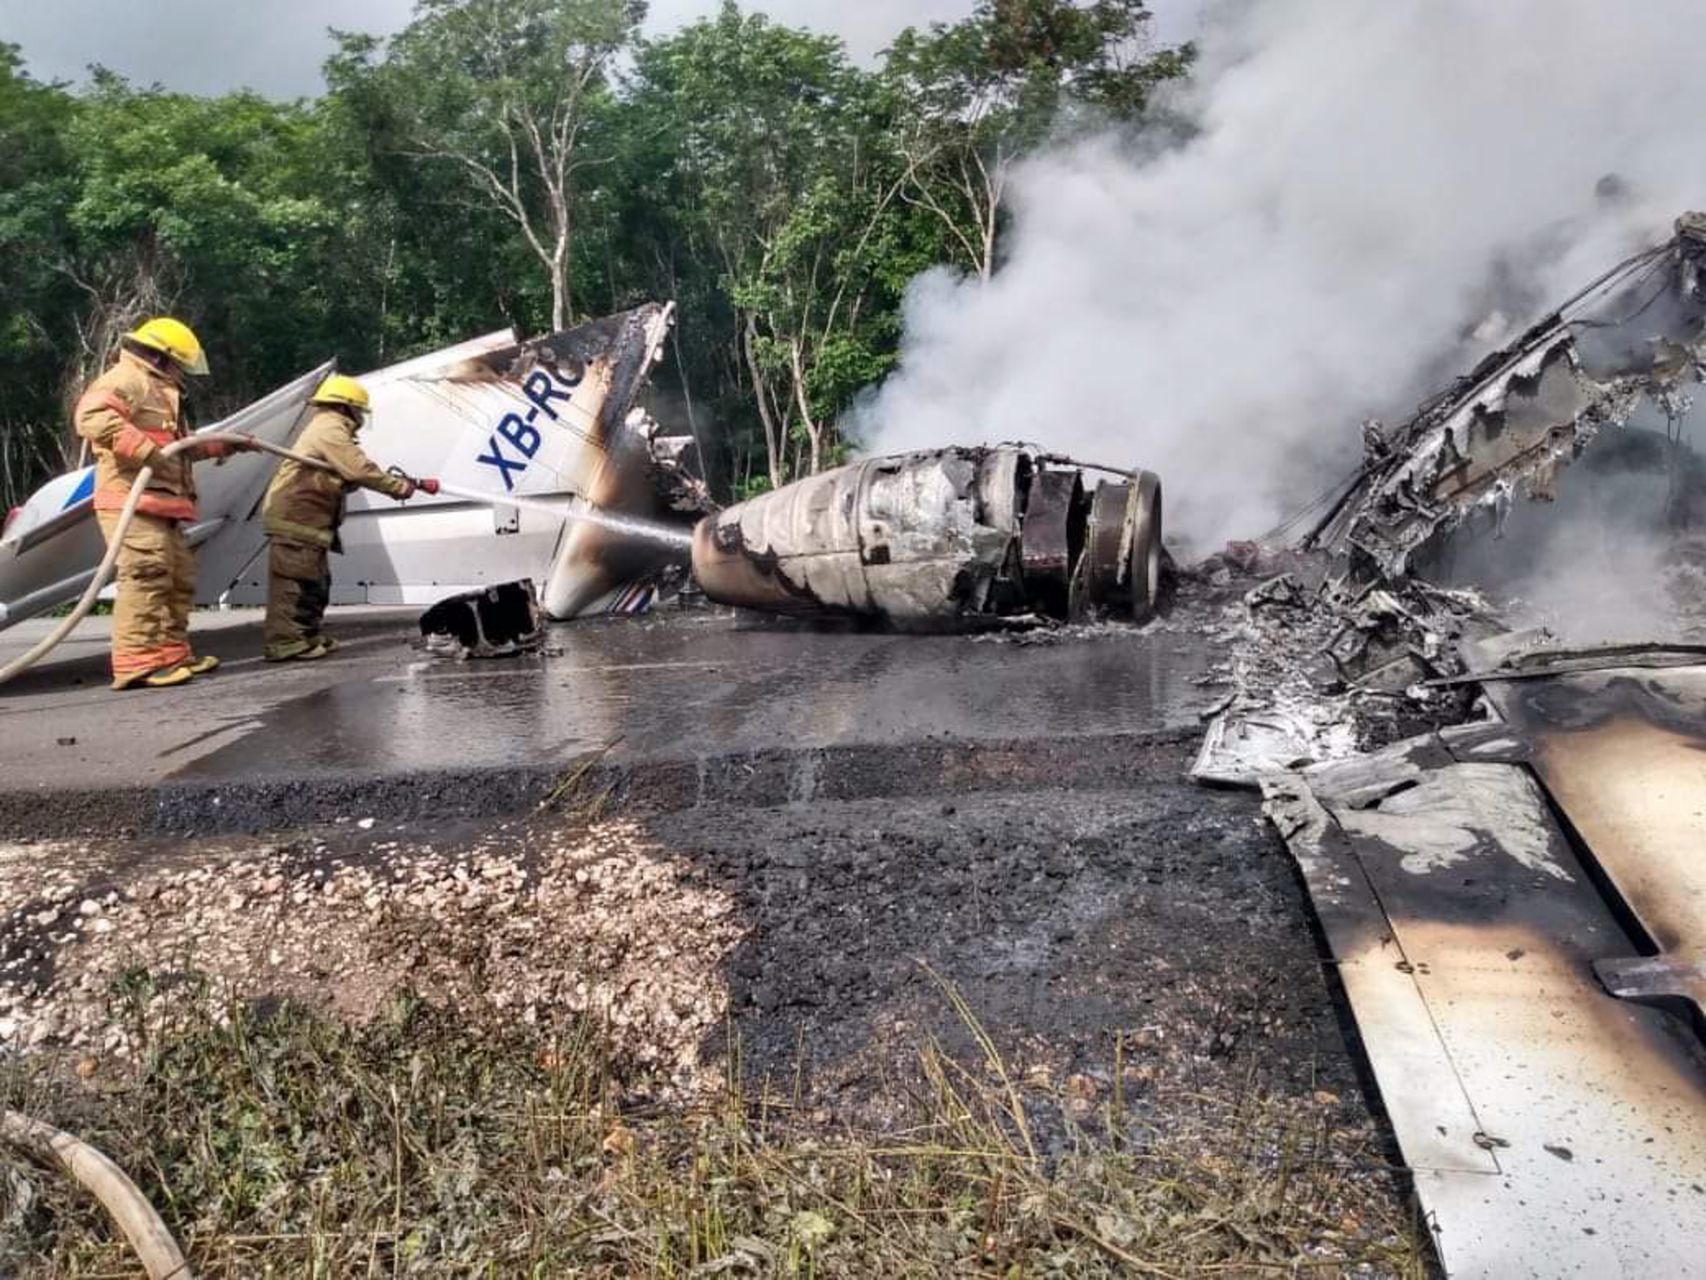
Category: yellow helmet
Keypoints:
(175, 339)
(344, 392)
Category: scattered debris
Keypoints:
(1492, 971)
(1321, 674)
(498, 622)
(1523, 414)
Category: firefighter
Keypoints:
(305, 506)
(128, 415)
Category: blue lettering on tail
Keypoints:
(540, 389)
(496, 459)
(523, 438)
(526, 439)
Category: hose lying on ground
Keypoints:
(129, 1208)
(104, 573)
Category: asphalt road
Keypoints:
(676, 686)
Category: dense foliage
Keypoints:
(535, 162)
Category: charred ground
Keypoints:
(971, 952)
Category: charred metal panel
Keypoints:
(498, 622)
(1551, 1129)
(1507, 428)
(1104, 559)
(888, 537)
(1410, 1062)
(929, 540)
(1121, 569)
(1052, 540)
(1623, 753)
(1485, 742)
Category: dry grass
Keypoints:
(278, 1142)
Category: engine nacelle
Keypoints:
(942, 539)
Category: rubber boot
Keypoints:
(298, 651)
(288, 651)
(159, 678)
(169, 677)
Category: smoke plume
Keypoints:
(1375, 195)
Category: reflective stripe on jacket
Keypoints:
(305, 504)
(128, 415)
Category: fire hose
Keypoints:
(104, 573)
(129, 1208)
(627, 526)
(125, 1204)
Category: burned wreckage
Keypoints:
(951, 538)
(1501, 831)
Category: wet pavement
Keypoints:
(677, 686)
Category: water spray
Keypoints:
(627, 526)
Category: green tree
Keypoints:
(444, 263)
(37, 302)
(826, 296)
(510, 95)
(763, 141)
(973, 98)
(232, 212)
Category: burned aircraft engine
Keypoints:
(943, 539)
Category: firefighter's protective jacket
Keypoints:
(305, 504)
(128, 415)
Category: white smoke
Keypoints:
(1369, 181)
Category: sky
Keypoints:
(277, 46)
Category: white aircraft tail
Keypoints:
(530, 428)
